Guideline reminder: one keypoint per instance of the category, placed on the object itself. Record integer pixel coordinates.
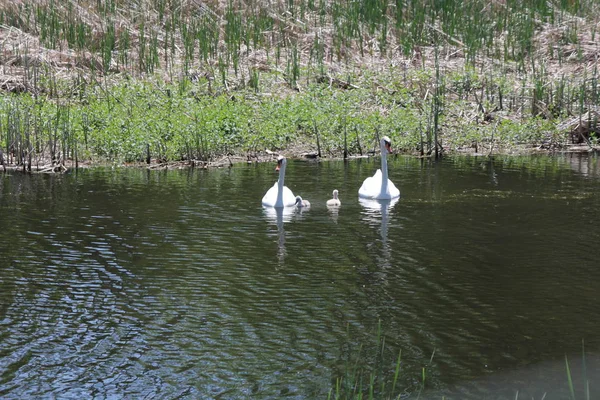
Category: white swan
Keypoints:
(302, 203)
(279, 195)
(335, 202)
(379, 186)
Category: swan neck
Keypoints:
(281, 176)
(384, 170)
(280, 183)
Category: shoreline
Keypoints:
(229, 161)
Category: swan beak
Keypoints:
(388, 146)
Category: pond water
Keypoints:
(128, 283)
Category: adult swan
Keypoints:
(378, 186)
(279, 195)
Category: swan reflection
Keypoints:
(333, 212)
(377, 213)
(279, 216)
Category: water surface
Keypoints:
(177, 284)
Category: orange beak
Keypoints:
(277, 167)
(388, 146)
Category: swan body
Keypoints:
(302, 203)
(379, 186)
(279, 195)
(335, 202)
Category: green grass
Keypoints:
(370, 374)
(195, 122)
(372, 370)
(586, 383)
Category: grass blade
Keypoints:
(397, 371)
(571, 389)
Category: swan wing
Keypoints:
(371, 187)
(270, 197)
(393, 190)
(289, 200)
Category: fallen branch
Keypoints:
(53, 169)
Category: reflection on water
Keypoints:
(177, 284)
(585, 164)
(279, 216)
(334, 212)
(377, 212)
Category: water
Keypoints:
(177, 284)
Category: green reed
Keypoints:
(142, 46)
(108, 45)
(70, 27)
(49, 25)
(510, 26)
(189, 34)
(293, 67)
(153, 59)
(585, 381)
(124, 46)
(371, 374)
(254, 81)
(540, 95)
(233, 33)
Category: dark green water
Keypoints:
(177, 284)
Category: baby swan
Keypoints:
(335, 202)
(302, 203)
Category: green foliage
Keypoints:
(120, 124)
(184, 122)
(371, 370)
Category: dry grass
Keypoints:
(569, 48)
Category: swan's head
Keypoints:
(335, 194)
(280, 163)
(302, 203)
(386, 143)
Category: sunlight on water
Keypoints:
(179, 284)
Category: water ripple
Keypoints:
(181, 285)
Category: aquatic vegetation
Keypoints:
(585, 381)
(374, 372)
